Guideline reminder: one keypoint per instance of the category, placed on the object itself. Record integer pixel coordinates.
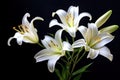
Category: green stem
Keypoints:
(71, 61)
(40, 45)
(75, 61)
(72, 56)
(73, 39)
(81, 56)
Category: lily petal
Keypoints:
(47, 41)
(106, 53)
(72, 31)
(55, 22)
(83, 14)
(58, 36)
(30, 39)
(61, 13)
(93, 54)
(24, 20)
(52, 62)
(79, 43)
(91, 33)
(73, 10)
(50, 55)
(103, 39)
(17, 36)
(36, 18)
(83, 30)
(9, 40)
(44, 54)
(67, 46)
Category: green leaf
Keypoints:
(81, 70)
(52, 35)
(58, 73)
(77, 77)
(64, 72)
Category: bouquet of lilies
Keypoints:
(72, 49)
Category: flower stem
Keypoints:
(40, 45)
(76, 59)
(81, 56)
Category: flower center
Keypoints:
(95, 41)
(52, 44)
(21, 29)
(70, 20)
(55, 46)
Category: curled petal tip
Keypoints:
(110, 57)
(53, 14)
(39, 18)
(90, 18)
(42, 19)
(27, 14)
(9, 41)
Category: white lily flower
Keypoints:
(55, 49)
(26, 31)
(94, 42)
(70, 19)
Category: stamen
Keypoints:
(49, 45)
(14, 28)
(97, 40)
(70, 19)
(21, 29)
(25, 29)
(53, 43)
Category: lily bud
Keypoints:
(101, 20)
(109, 29)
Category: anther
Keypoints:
(53, 43)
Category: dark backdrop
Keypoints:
(17, 62)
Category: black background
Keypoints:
(17, 62)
